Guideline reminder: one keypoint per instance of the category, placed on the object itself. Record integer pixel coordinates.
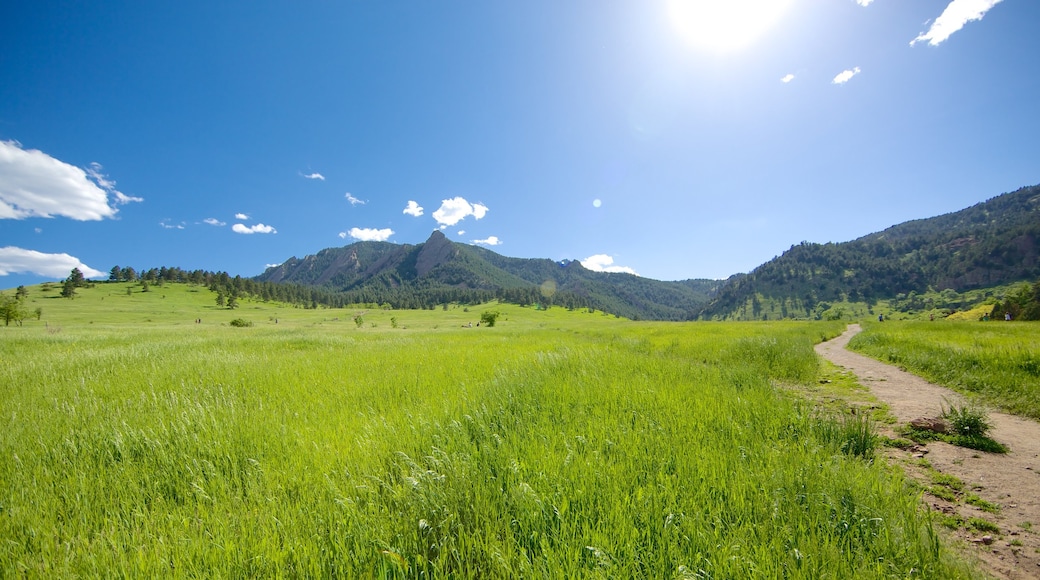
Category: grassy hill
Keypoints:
(558, 443)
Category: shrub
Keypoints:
(488, 317)
(967, 420)
(240, 323)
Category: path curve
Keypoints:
(1010, 480)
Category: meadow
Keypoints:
(137, 442)
(998, 362)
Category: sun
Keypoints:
(724, 25)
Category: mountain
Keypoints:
(989, 244)
(439, 271)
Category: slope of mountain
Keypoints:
(439, 271)
(991, 243)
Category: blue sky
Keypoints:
(672, 138)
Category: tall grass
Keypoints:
(998, 361)
(579, 446)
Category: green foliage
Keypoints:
(12, 310)
(983, 525)
(240, 323)
(972, 499)
(489, 317)
(853, 435)
(967, 420)
(68, 289)
(989, 244)
(1021, 304)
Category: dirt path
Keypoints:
(1011, 480)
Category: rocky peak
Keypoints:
(436, 251)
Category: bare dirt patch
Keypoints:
(1010, 481)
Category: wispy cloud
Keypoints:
(314, 175)
(20, 261)
(272, 265)
(605, 263)
(413, 209)
(257, 229)
(353, 200)
(787, 78)
(489, 241)
(845, 76)
(34, 184)
(454, 210)
(954, 17)
(214, 222)
(368, 234)
(166, 225)
(94, 171)
(864, 2)
(241, 216)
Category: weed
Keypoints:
(946, 480)
(943, 493)
(983, 525)
(967, 420)
(972, 499)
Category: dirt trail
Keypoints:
(1011, 480)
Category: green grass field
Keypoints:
(996, 361)
(136, 442)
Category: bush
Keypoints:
(488, 317)
(240, 323)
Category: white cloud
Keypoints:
(845, 75)
(353, 200)
(954, 17)
(214, 222)
(314, 175)
(94, 171)
(787, 78)
(19, 261)
(489, 241)
(462, 232)
(368, 234)
(864, 2)
(166, 225)
(241, 216)
(604, 263)
(413, 209)
(34, 184)
(257, 229)
(272, 265)
(454, 210)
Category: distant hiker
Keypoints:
(1007, 317)
(880, 317)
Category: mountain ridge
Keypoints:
(991, 243)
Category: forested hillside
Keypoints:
(440, 271)
(989, 244)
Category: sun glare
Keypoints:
(724, 25)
